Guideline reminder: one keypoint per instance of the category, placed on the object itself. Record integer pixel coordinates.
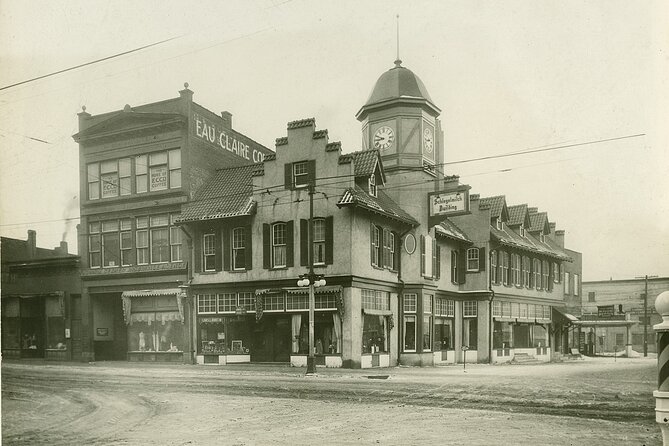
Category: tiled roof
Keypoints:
(332, 146)
(383, 204)
(495, 204)
(539, 222)
(228, 194)
(508, 237)
(449, 229)
(364, 162)
(269, 157)
(318, 134)
(281, 141)
(517, 214)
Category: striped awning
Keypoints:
(328, 289)
(148, 293)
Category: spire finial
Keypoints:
(398, 61)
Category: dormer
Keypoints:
(367, 170)
(499, 213)
(519, 219)
(539, 225)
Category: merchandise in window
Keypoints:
(443, 334)
(374, 334)
(55, 324)
(409, 333)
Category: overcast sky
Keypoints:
(508, 76)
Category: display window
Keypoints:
(443, 333)
(155, 325)
(55, 324)
(374, 334)
(502, 336)
(10, 324)
(327, 333)
(229, 335)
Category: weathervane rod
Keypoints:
(398, 37)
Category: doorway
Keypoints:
(32, 327)
(271, 339)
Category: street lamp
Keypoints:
(312, 281)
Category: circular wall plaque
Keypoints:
(410, 244)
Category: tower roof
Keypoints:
(398, 83)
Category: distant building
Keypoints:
(623, 300)
(41, 301)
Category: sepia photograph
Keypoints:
(304, 222)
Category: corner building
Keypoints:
(419, 271)
(139, 166)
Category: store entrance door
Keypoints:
(32, 327)
(271, 339)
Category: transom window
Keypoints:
(279, 245)
(206, 303)
(375, 299)
(469, 308)
(410, 303)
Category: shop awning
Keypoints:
(129, 316)
(328, 289)
(377, 312)
(148, 293)
(569, 317)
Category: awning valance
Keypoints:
(377, 312)
(328, 289)
(569, 317)
(126, 299)
(148, 293)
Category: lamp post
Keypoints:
(645, 314)
(312, 281)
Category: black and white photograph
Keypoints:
(291, 222)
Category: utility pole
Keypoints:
(645, 313)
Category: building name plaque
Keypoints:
(209, 132)
(444, 203)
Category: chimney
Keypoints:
(62, 249)
(559, 238)
(227, 119)
(551, 225)
(532, 210)
(32, 243)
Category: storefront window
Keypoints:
(539, 336)
(155, 325)
(409, 333)
(212, 335)
(502, 336)
(55, 324)
(427, 322)
(521, 336)
(374, 338)
(10, 323)
(443, 333)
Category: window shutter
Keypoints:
(550, 276)
(482, 259)
(398, 250)
(530, 267)
(462, 265)
(227, 249)
(304, 242)
(197, 251)
(434, 257)
(371, 243)
(329, 240)
(381, 250)
(422, 254)
(266, 248)
(218, 250)
(248, 247)
(437, 271)
(289, 243)
(311, 168)
(288, 175)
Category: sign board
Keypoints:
(605, 311)
(447, 203)
(213, 133)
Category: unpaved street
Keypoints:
(596, 401)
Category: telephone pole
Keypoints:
(645, 313)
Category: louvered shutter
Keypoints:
(422, 255)
(266, 247)
(289, 243)
(288, 175)
(218, 250)
(227, 249)
(329, 240)
(248, 247)
(398, 251)
(482, 259)
(304, 242)
(462, 265)
(434, 258)
(311, 169)
(437, 271)
(371, 243)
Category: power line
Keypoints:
(88, 63)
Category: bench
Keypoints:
(574, 353)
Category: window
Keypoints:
(427, 322)
(109, 178)
(126, 242)
(110, 244)
(238, 249)
(504, 263)
(537, 273)
(142, 236)
(374, 334)
(376, 300)
(372, 185)
(376, 248)
(591, 296)
(319, 241)
(227, 302)
(473, 259)
(515, 268)
(279, 245)
(388, 249)
(160, 238)
(469, 308)
(409, 306)
(454, 267)
(526, 271)
(209, 252)
(522, 230)
(576, 284)
(300, 174)
(175, 168)
(470, 332)
(493, 267)
(175, 239)
(93, 181)
(567, 276)
(141, 173)
(556, 272)
(206, 303)
(94, 245)
(544, 274)
(273, 302)
(158, 171)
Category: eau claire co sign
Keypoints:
(214, 134)
(447, 203)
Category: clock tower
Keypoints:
(400, 120)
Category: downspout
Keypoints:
(491, 326)
(190, 300)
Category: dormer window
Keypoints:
(542, 239)
(498, 224)
(372, 185)
(522, 230)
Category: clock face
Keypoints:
(428, 140)
(383, 138)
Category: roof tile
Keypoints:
(495, 204)
(383, 204)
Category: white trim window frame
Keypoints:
(473, 260)
(409, 306)
(279, 245)
(372, 185)
(238, 236)
(319, 241)
(209, 252)
(300, 174)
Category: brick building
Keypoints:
(139, 166)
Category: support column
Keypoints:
(662, 393)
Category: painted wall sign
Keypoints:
(214, 134)
(445, 203)
(109, 185)
(158, 178)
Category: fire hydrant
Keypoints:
(662, 393)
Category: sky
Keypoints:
(508, 76)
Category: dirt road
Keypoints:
(586, 402)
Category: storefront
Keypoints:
(520, 328)
(155, 326)
(33, 326)
(269, 325)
